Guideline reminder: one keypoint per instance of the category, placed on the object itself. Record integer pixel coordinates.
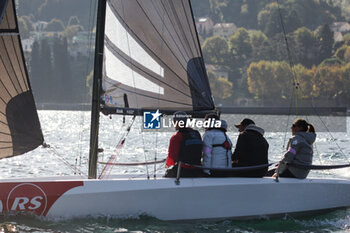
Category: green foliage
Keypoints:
(269, 80)
(220, 87)
(55, 25)
(326, 41)
(215, 50)
(332, 62)
(239, 44)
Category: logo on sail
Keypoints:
(152, 120)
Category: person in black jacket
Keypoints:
(251, 149)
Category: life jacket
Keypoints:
(190, 147)
(226, 145)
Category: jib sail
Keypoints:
(20, 129)
(152, 58)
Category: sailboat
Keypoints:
(147, 58)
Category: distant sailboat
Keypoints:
(147, 57)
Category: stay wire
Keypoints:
(297, 86)
(92, 16)
(60, 157)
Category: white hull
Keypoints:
(199, 198)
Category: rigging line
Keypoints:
(161, 53)
(129, 51)
(86, 74)
(10, 61)
(183, 34)
(136, 95)
(191, 19)
(297, 86)
(188, 42)
(131, 62)
(72, 167)
(288, 119)
(19, 63)
(145, 46)
(144, 95)
(136, 163)
(108, 167)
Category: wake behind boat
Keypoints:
(147, 58)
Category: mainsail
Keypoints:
(20, 129)
(152, 58)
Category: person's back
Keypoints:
(186, 147)
(300, 152)
(217, 150)
(191, 146)
(251, 150)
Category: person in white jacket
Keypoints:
(217, 152)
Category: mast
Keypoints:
(96, 88)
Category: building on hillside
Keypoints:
(204, 26)
(224, 30)
(340, 29)
(219, 71)
(27, 45)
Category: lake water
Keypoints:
(68, 132)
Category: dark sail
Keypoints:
(20, 129)
(152, 58)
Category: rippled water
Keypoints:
(67, 132)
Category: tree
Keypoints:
(269, 80)
(346, 82)
(327, 81)
(46, 70)
(62, 70)
(215, 50)
(34, 71)
(306, 47)
(326, 41)
(258, 41)
(220, 87)
(239, 44)
(55, 25)
(304, 77)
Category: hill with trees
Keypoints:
(278, 46)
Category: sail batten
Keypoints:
(20, 129)
(138, 68)
(152, 58)
(149, 50)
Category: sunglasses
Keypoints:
(294, 125)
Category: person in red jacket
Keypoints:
(185, 146)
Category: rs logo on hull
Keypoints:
(27, 197)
